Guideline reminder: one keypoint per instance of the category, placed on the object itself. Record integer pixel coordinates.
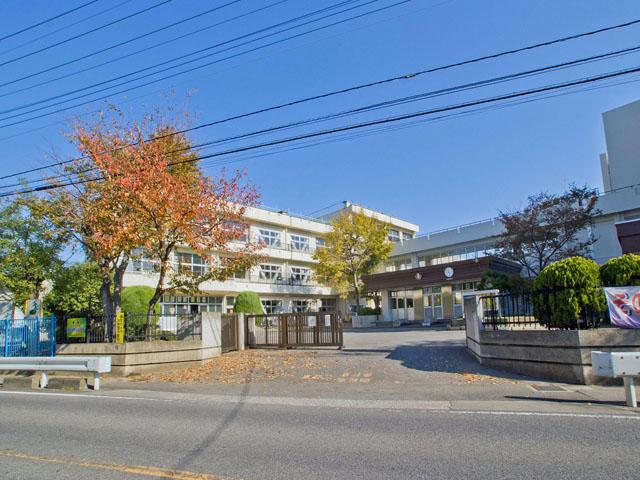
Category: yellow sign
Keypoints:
(120, 327)
(76, 327)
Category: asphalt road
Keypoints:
(134, 434)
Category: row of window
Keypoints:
(469, 252)
(273, 306)
(395, 236)
(195, 263)
(271, 272)
(456, 287)
(185, 305)
(298, 243)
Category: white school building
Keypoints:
(427, 274)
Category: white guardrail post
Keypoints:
(95, 365)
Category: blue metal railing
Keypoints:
(29, 337)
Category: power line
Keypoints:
(191, 61)
(322, 209)
(444, 67)
(35, 25)
(53, 32)
(85, 33)
(320, 39)
(106, 49)
(359, 87)
(370, 123)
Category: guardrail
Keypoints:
(95, 365)
(616, 365)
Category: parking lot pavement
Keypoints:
(400, 364)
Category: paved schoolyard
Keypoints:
(394, 364)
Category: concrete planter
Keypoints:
(561, 355)
(142, 357)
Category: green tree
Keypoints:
(135, 305)
(135, 300)
(354, 247)
(567, 290)
(248, 302)
(29, 251)
(621, 271)
(76, 289)
(549, 228)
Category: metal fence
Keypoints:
(82, 328)
(31, 337)
(561, 308)
(308, 329)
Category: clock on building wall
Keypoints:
(448, 272)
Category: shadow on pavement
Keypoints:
(213, 437)
(444, 357)
(585, 401)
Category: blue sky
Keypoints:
(435, 174)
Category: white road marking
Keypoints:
(442, 407)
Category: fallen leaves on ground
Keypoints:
(248, 366)
(476, 378)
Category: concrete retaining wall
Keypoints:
(561, 355)
(141, 357)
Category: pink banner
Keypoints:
(624, 306)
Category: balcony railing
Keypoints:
(290, 280)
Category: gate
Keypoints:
(289, 330)
(229, 332)
(30, 337)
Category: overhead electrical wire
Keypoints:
(329, 94)
(431, 70)
(281, 51)
(106, 49)
(43, 22)
(412, 124)
(365, 124)
(58, 30)
(186, 62)
(85, 33)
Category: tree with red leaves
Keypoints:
(137, 188)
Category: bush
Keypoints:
(567, 290)
(135, 304)
(76, 290)
(368, 311)
(621, 271)
(248, 302)
(135, 300)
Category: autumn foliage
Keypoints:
(138, 190)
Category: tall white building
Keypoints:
(284, 278)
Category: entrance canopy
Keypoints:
(439, 274)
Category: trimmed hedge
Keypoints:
(621, 271)
(368, 311)
(566, 290)
(248, 302)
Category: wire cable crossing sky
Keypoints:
(395, 84)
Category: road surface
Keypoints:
(431, 425)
